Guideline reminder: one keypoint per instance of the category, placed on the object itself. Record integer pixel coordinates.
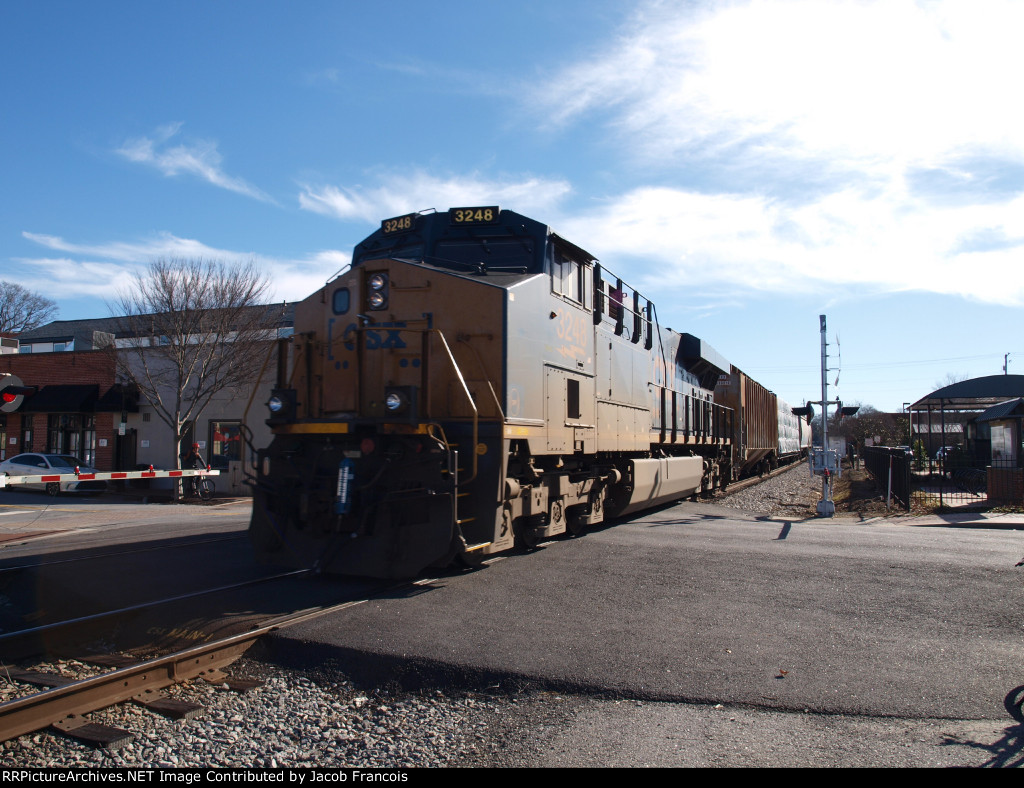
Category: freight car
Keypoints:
(766, 433)
(471, 382)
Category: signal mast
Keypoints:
(824, 461)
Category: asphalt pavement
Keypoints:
(902, 628)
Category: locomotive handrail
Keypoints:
(461, 338)
(465, 390)
(462, 382)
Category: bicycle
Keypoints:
(199, 486)
(971, 480)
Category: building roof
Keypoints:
(66, 330)
(1013, 408)
(973, 394)
(84, 332)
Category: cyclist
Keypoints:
(194, 460)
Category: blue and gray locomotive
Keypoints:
(471, 382)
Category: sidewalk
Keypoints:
(1004, 520)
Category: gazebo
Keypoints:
(952, 406)
(987, 412)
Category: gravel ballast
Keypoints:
(290, 721)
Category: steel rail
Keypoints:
(58, 705)
(753, 481)
(42, 709)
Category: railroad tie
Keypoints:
(105, 736)
(168, 707)
(220, 678)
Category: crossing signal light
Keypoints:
(12, 392)
(806, 412)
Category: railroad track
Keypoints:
(753, 481)
(64, 702)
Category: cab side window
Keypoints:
(570, 278)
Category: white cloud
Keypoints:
(670, 240)
(99, 270)
(402, 193)
(162, 245)
(201, 158)
(840, 145)
(869, 81)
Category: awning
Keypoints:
(119, 398)
(1014, 409)
(63, 399)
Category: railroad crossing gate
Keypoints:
(10, 481)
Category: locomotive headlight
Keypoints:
(377, 287)
(400, 402)
(396, 402)
(281, 404)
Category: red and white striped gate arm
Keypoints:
(78, 476)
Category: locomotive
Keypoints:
(474, 381)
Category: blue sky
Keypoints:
(748, 165)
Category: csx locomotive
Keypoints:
(474, 381)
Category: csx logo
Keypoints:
(382, 335)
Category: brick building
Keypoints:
(83, 408)
(76, 410)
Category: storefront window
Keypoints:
(225, 443)
(26, 434)
(74, 434)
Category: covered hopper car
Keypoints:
(471, 382)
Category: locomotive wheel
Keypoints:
(526, 537)
(575, 525)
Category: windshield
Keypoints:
(484, 254)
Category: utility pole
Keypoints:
(830, 460)
(824, 461)
(1006, 363)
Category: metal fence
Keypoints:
(891, 470)
(958, 479)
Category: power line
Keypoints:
(886, 364)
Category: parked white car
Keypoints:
(32, 464)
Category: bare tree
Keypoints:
(950, 379)
(883, 429)
(187, 330)
(23, 310)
